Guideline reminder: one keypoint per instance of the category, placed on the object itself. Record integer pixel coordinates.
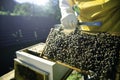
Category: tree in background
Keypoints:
(22, 9)
(29, 9)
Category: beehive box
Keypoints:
(51, 70)
(24, 71)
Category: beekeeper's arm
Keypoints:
(68, 19)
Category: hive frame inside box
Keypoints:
(55, 71)
(24, 71)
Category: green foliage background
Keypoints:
(27, 9)
(75, 76)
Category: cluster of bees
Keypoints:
(97, 53)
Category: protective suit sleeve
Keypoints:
(68, 18)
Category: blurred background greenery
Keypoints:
(30, 8)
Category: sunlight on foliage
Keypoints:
(51, 8)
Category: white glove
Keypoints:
(69, 21)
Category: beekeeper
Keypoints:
(105, 11)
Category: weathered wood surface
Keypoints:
(8, 76)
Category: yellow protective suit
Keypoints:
(106, 11)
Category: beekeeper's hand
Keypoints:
(69, 21)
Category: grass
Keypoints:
(75, 76)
